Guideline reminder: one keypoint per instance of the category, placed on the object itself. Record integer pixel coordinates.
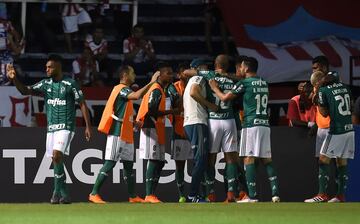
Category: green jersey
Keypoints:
(172, 94)
(255, 101)
(153, 104)
(225, 85)
(60, 97)
(119, 110)
(337, 99)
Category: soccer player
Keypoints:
(150, 118)
(320, 67)
(180, 147)
(255, 135)
(196, 125)
(60, 95)
(222, 130)
(334, 100)
(117, 123)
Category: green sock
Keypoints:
(272, 178)
(241, 178)
(103, 174)
(210, 180)
(231, 174)
(59, 175)
(342, 180)
(251, 179)
(157, 174)
(179, 175)
(129, 178)
(324, 170)
(203, 187)
(150, 172)
(226, 186)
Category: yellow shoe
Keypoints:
(96, 199)
(136, 199)
(152, 199)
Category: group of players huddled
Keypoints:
(211, 111)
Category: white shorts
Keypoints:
(320, 138)
(339, 146)
(181, 149)
(117, 149)
(70, 23)
(255, 142)
(222, 135)
(149, 147)
(59, 141)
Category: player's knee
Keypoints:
(57, 157)
(324, 160)
(249, 160)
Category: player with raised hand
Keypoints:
(255, 135)
(117, 123)
(60, 96)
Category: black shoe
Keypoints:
(65, 200)
(195, 199)
(55, 199)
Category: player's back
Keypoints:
(255, 102)
(337, 98)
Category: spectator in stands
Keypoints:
(99, 47)
(73, 15)
(11, 44)
(86, 69)
(301, 111)
(212, 13)
(138, 51)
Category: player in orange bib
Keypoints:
(117, 123)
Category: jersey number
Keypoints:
(344, 105)
(261, 104)
(223, 105)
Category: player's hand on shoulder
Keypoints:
(155, 76)
(213, 84)
(11, 73)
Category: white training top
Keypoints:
(194, 113)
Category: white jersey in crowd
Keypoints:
(194, 113)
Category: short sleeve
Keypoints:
(238, 88)
(322, 98)
(124, 92)
(39, 87)
(78, 94)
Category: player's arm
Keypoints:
(140, 93)
(222, 96)
(190, 72)
(11, 74)
(86, 116)
(195, 93)
(154, 102)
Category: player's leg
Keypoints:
(344, 152)
(210, 177)
(111, 157)
(272, 176)
(198, 137)
(130, 181)
(242, 186)
(61, 147)
(179, 176)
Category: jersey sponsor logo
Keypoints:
(56, 102)
(259, 83)
(219, 115)
(258, 121)
(54, 127)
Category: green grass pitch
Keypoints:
(173, 213)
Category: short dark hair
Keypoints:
(251, 63)
(162, 64)
(55, 57)
(123, 69)
(138, 26)
(182, 66)
(322, 60)
(239, 59)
